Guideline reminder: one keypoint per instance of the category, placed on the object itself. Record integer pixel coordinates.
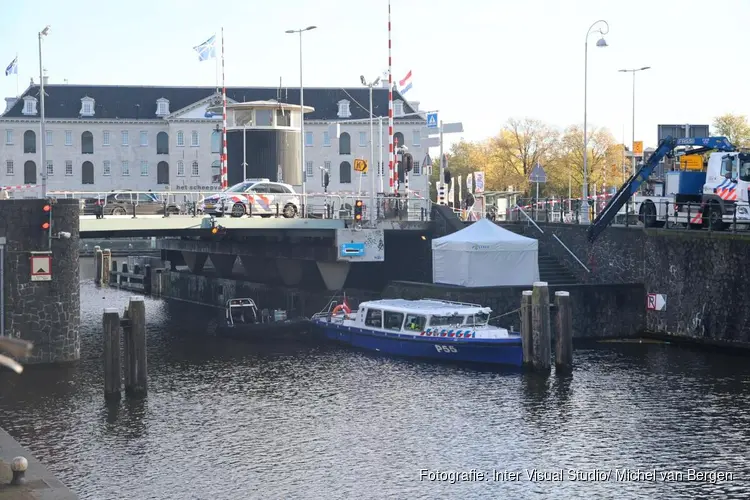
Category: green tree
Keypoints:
(733, 127)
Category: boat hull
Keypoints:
(504, 351)
(293, 330)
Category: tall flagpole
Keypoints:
(390, 106)
(224, 109)
(16, 74)
(216, 64)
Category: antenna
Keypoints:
(278, 92)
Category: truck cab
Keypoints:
(726, 186)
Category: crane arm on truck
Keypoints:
(631, 186)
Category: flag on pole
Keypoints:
(405, 83)
(206, 50)
(12, 68)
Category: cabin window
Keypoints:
(374, 318)
(477, 319)
(453, 319)
(415, 322)
(393, 320)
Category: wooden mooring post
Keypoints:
(112, 366)
(564, 334)
(113, 273)
(106, 265)
(541, 355)
(526, 338)
(99, 260)
(136, 374)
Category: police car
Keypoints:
(254, 197)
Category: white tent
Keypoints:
(484, 254)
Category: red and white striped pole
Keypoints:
(224, 183)
(391, 151)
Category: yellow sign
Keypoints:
(638, 148)
(360, 166)
(691, 162)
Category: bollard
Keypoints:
(106, 265)
(19, 465)
(159, 277)
(99, 263)
(113, 273)
(112, 365)
(540, 327)
(125, 267)
(136, 269)
(147, 280)
(564, 340)
(135, 349)
(526, 339)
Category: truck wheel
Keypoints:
(648, 214)
(716, 218)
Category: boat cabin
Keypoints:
(241, 311)
(418, 315)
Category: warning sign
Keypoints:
(41, 267)
(360, 165)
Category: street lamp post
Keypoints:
(371, 212)
(634, 71)
(302, 117)
(600, 43)
(42, 125)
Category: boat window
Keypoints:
(415, 322)
(393, 320)
(477, 319)
(374, 318)
(453, 319)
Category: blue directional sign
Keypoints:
(432, 121)
(538, 174)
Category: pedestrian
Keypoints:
(4, 195)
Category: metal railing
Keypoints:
(556, 238)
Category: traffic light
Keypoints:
(409, 162)
(47, 217)
(358, 210)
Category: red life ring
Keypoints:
(339, 308)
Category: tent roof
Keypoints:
(483, 231)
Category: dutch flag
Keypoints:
(405, 83)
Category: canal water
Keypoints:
(225, 420)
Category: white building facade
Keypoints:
(102, 138)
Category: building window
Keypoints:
(398, 108)
(29, 142)
(345, 173)
(308, 139)
(68, 167)
(48, 133)
(195, 172)
(87, 143)
(68, 137)
(162, 143)
(162, 107)
(87, 106)
(144, 138)
(326, 168)
(9, 167)
(125, 138)
(50, 168)
(87, 173)
(309, 169)
(345, 144)
(326, 139)
(162, 172)
(180, 138)
(106, 168)
(29, 172)
(194, 138)
(416, 138)
(417, 170)
(144, 169)
(180, 168)
(105, 138)
(125, 168)
(398, 140)
(216, 172)
(344, 111)
(29, 105)
(216, 141)
(363, 139)
(8, 137)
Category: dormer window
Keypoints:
(398, 108)
(162, 107)
(87, 106)
(344, 111)
(29, 105)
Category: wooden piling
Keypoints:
(113, 273)
(564, 336)
(99, 259)
(540, 327)
(147, 279)
(135, 348)
(106, 265)
(526, 338)
(112, 366)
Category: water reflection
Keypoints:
(224, 419)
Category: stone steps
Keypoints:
(550, 269)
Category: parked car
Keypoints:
(254, 197)
(123, 203)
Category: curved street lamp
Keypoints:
(600, 43)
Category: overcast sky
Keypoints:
(477, 61)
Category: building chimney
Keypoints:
(9, 102)
(46, 80)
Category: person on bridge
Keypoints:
(4, 194)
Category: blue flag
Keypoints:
(206, 50)
(12, 68)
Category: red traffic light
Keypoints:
(358, 203)
(45, 225)
(47, 208)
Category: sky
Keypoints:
(479, 62)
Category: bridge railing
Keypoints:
(339, 205)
